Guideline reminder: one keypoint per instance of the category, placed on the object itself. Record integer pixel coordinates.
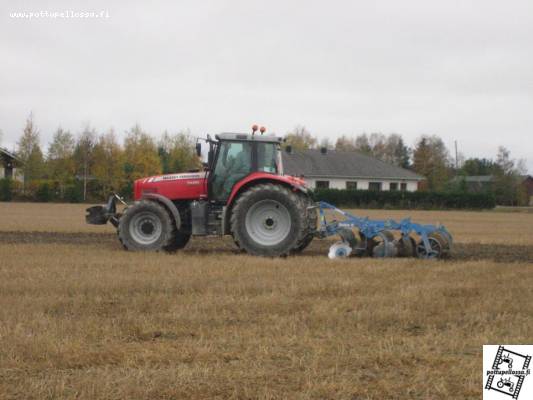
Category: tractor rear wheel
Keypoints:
(268, 220)
(146, 226)
(312, 219)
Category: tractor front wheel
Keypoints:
(268, 220)
(146, 226)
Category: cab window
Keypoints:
(267, 158)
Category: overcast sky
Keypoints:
(459, 69)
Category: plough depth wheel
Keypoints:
(439, 247)
(339, 250)
(444, 241)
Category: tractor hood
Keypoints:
(183, 186)
(193, 185)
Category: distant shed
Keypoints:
(10, 165)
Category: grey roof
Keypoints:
(4, 152)
(474, 178)
(342, 164)
(246, 136)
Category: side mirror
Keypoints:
(199, 149)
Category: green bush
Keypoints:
(126, 191)
(405, 200)
(74, 193)
(6, 189)
(44, 192)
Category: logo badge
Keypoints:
(506, 372)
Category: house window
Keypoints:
(322, 184)
(351, 185)
(403, 186)
(376, 186)
(393, 186)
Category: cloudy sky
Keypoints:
(461, 69)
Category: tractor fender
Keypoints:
(169, 205)
(296, 184)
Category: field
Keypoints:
(81, 318)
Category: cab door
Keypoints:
(233, 163)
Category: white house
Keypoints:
(348, 170)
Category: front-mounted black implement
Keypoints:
(101, 215)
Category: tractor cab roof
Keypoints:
(241, 137)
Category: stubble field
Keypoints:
(81, 318)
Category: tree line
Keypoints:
(90, 164)
(430, 158)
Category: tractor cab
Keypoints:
(234, 156)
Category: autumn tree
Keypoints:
(108, 163)
(431, 159)
(391, 148)
(362, 144)
(177, 152)
(60, 160)
(83, 156)
(478, 167)
(29, 151)
(300, 139)
(378, 144)
(345, 143)
(141, 156)
(396, 152)
(507, 178)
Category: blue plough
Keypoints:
(382, 238)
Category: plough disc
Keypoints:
(349, 237)
(406, 246)
(385, 245)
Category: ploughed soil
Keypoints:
(212, 245)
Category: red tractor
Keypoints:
(242, 192)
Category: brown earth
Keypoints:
(211, 246)
(82, 319)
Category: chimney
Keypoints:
(323, 150)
